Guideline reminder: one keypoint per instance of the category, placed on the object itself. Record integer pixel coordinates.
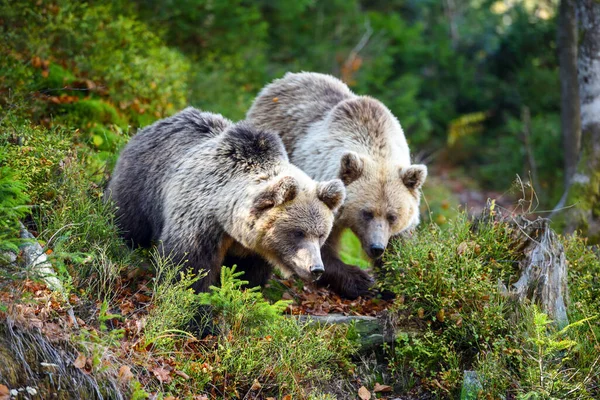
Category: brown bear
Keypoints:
(204, 187)
(329, 132)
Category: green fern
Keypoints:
(240, 310)
(13, 207)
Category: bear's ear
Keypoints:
(351, 167)
(414, 176)
(332, 193)
(280, 192)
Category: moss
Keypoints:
(94, 110)
(58, 77)
(585, 196)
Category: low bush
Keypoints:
(447, 282)
(260, 350)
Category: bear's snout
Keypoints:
(376, 250)
(317, 271)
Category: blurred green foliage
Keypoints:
(434, 64)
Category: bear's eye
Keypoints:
(368, 215)
(298, 234)
(391, 218)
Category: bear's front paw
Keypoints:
(351, 282)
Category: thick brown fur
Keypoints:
(203, 188)
(329, 132)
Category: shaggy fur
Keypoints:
(329, 132)
(204, 187)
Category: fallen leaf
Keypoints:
(200, 397)
(36, 62)
(80, 361)
(287, 296)
(256, 385)
(4, 392)
(381, 388)
(363, 393)
(125, 374)
(162, 375)
(287, 397)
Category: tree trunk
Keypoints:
(569, 91)
(543, 269)
(586, 182)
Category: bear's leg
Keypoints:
(202, 253)
(257, 270)
(136, 230)
(348, 281)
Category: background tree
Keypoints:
(586, 183)
(569, 103)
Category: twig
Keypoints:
(359, 46)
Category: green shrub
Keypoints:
(36, 155)
(554, 367)
(447, 283)
(174, 303)
(257, 343)
(13, 207)
(93, 49)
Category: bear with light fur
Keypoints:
(330, 132)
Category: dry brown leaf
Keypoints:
(200, 397)
(256, 385)
(287, 397)
(381, 388)
(4, 392)
(171, 398)
(163, 375)
(36, 62)
(364, 394)
(287, 296)
(125, 374)
(80, 361)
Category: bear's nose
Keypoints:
(376, 250)
(317, 271)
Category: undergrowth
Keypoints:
(447, 282)
(255, 348)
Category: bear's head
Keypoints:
(293, 218)
(382, 199)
